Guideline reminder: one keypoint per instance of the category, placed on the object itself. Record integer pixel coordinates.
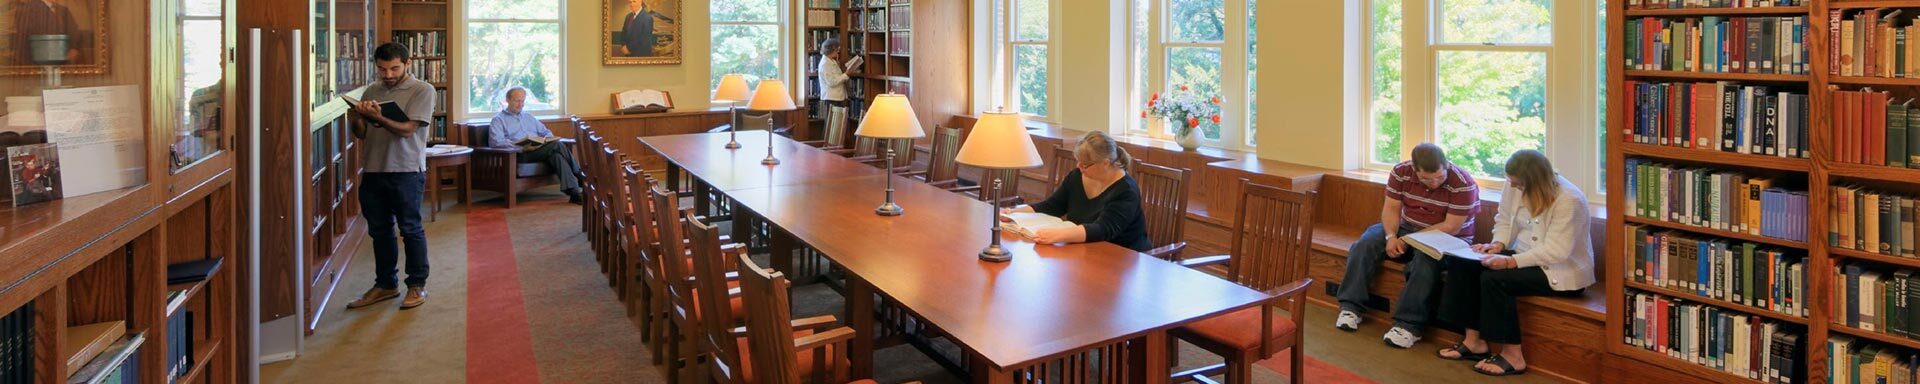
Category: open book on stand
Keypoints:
(642, 101)
(1438, 245)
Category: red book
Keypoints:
(1632, 89)
(1649, 32)
(1737, 51)
(1876, 129)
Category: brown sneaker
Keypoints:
(374, 295)
(415, 297)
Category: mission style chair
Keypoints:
(834, 140)
(779, 354)
(637, 243)
(1271, 240)
(942, 171)
(500, 169)
(1163, 200)
(1060, 164)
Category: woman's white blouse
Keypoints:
(1557, 241)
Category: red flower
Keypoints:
(1156, 96)
(1216, 99)
(1193, 121)
(1183, 87)
(1143, 114)
(1150, 102)
(1216, 119)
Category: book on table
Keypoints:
(1438, 245)
(1028, 223)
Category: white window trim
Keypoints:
(1234, 117)
(786, 40)
(993, 49)
(1572, 143)
(464, 70)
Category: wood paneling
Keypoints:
(100, 292)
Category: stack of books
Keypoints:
(1720, 44)
(1716, 199)
(1730, 341)
(179, 344)
(1872, 222)
(16, 346)
(1730, 270)
(1870, 127)
(1720, 116)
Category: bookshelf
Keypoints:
(887, 34)
(423, 25)
(1817, 174)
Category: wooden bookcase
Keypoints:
(426, 24)
(911, 47)
(1819, 172)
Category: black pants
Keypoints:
(556, 155)
(389, 200)
(1484, 299)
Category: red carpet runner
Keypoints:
(499, 350)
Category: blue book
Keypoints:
(1853, 295)
(1703, 267)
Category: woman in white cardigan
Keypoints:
(1541, 247)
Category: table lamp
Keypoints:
(999, 141)
(889, 118)
(733, 91)
(771, 95)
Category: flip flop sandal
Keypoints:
(1466, 354)
(1506, 368)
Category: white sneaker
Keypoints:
(1400, 338)
(1347, 321)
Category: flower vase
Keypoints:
(1188, 141)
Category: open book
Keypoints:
(388, 109)
(1437, 245)
(855, 62)
(1026, 223)
(535, 141)
(642, 101)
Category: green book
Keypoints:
(1897, 122)
(1913, 138)
(1754, 283)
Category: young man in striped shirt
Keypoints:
(1427, 192)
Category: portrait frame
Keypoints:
(91, 25)
(665, 18)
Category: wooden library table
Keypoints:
(463, 180)
(1048, 303)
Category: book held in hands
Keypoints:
(1439, 245)
(1028, 223)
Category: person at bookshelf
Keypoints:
(1540, 246)
(835, 73)
(1098, 195)
(1423, 193)
(395, 176)
(513, 128)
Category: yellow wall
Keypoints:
(589, 82)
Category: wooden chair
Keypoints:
(1271, 241)
(678, 292)
(1009, 187)
(638, 244)
(942, 171)
(835, 138)
(500, 169)
(606, 202)
(780, 357)
(902, 154)
(715, 308)
(1163, 199)
(620, 277)
(1059, 165)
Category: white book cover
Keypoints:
(1026, 223)
(1437, 245)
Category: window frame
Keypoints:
(785, 58)
(1236, 119)
(1007, 44)
(1571, 86)
(466, 69)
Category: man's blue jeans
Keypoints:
(390, 200)
(1412, 310)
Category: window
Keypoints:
(514, 43)
(748, 39)
(202, 64)
(1027, 57)
(1474, 77)
(1205, 46)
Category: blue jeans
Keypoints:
(1412, 309)
(388, 200)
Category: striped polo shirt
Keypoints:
(1425, 207)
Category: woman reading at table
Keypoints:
(1098, 195)
(1540, 246)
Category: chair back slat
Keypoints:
(672, 249)
(902, 151)
(716, 315)
(769, 327)
(1009, 186)
(836, 134)
(640, 223)
(946, 146)
(1272, 236)
(1163, 199)
(866, 146)
(1060, 162)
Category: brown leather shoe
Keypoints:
(415, 297)
(372, 296)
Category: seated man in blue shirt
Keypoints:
(511, 126)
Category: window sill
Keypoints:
(1489, 191)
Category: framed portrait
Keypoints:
(640, 31)
(70, 35)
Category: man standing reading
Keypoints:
(1425, 193)
(395, 175)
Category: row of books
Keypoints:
(179, 344)
(1852, 361)
(823, 3)
(874, 22)
(1720, 116)
(1769, 44)
(1870, 127)
(432, 71)
(900, 43)
(1722, 200)
(16, 346)
(1730, 341)
(1666, 4)
(1877, 300)
(440, 100)
(822, 18)
(1870, 221)
(427, 43)
(1871, 43)
(1730, 270)
(900, 17)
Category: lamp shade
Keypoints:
(999, 141)
(890, 117)
(732, 89)
(771, 95)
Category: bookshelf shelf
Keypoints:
(1682, 75)
(1874, 172)
(1669, 362)
(1875, 336)
(202, 358)
(192, 289)
(1718, 157)
(1875, 257)
(1717, 11)
(1717, 233)
(1689, 296)
(1873, 4)
(1885, 81)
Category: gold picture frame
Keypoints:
(656, 40)
(86, 31)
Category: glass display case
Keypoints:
(74, 103)
(202, 35)
(320, 40)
